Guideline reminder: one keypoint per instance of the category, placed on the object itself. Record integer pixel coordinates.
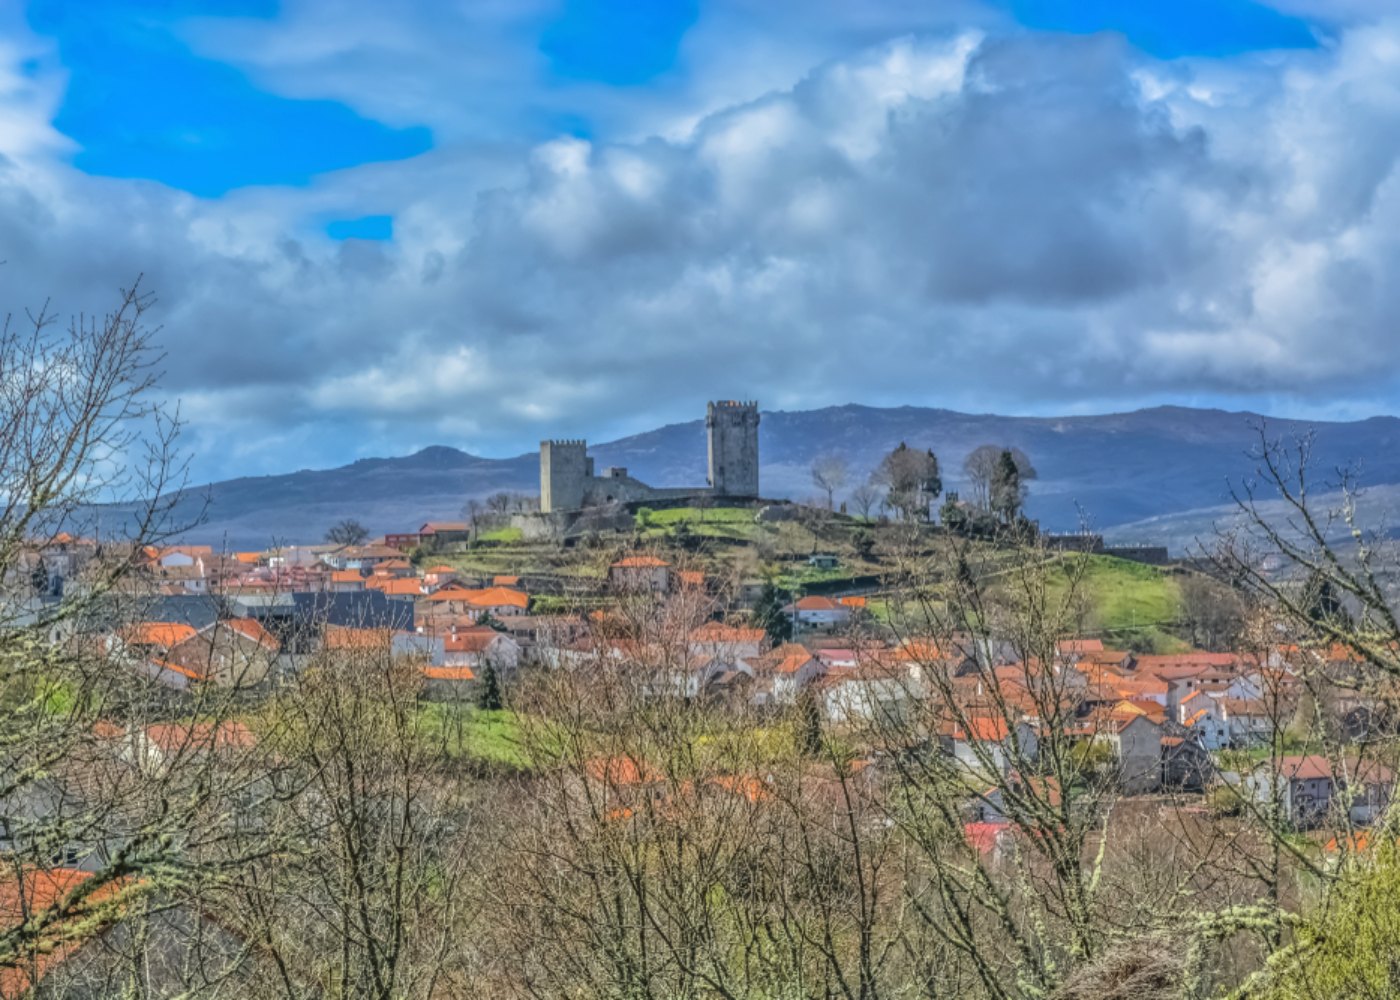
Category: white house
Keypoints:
(864, 695)
(782, 673)
(1204, 715)
(726, 641)
(820, 612)
(1250, 720)
(477, 647)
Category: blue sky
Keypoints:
(142, 104)
(374, 227)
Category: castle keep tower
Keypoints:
(565, 469)
(732, 430)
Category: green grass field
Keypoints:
(1129, 604)
(474, 734)
(736, 523)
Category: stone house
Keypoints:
(1136, 743)
(640, 573)
(236, 652)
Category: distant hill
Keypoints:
(1130, 473)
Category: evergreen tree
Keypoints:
(488, 620)
(1008, 494)
(933, 477)
(809, 725)
(489, 697)
(768, 614)
(39, 577)
(1323, 604)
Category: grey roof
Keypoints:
(356, 609)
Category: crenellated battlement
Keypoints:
(564, 443)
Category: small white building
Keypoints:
(820, 612)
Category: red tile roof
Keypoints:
(177, 736)
(640, 562)
(165, 634)
(621, 770)
(31, 892)
(982, 728)
(1305, 767)
(720, 632)
(490, 597)
(394, 587)
(251, 628)
(470, 641)
(1071, 647)
(448, 673)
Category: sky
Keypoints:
(375, 227)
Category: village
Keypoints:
(612, 666)
(191, 617)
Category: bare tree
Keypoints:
(101, 769)
(347, 532)
(499, 503)
(472, 510)
(865, 498)
(829, 474)
(911, 479)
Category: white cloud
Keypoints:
(992, 221)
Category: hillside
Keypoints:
(1126, 472)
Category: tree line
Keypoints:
(908, 482)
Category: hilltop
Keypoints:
(1128, 473)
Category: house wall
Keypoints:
(1138, 746)
(653, 578)
(835, 616)
(225, 657)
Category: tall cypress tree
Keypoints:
(1007, 496)
(768, 614)
(489, 698)
(809, 725)
(39, 577)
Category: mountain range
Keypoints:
(1159, 475)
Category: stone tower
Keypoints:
(732, 429)
(564, 472)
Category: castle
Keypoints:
(568, 481)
